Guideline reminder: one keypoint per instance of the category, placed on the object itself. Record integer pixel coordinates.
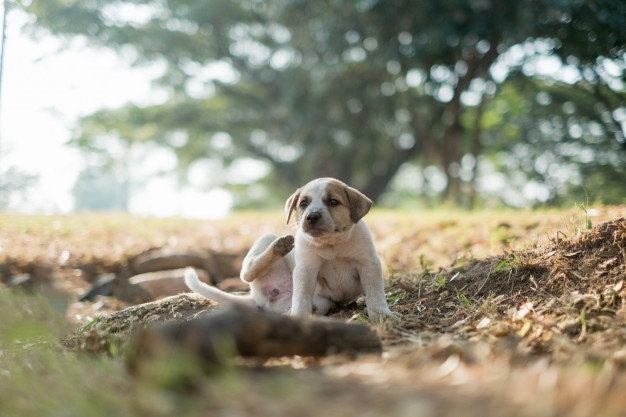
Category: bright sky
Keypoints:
(46, 87)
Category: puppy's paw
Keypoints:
(376, 313)
(283, 245)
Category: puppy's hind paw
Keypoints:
(283, 245)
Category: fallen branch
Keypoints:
(253, 333)
(98, 335)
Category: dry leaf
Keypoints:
(407, 286)
(607, 263)
(484, 323)
(523, 311)
(525, 329)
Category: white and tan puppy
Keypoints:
(334, 260)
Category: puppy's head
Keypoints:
(327, 207)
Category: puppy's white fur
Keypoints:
(334, 260)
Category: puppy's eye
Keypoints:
(333, 203)
(303, 204)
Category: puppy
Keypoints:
(334, 260)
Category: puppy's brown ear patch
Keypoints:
(359, 204)
(291, 203)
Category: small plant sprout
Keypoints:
(511, 263)
(442, 282)
(587, 223)
(426, 270)
(463, 299)
(394, 299)
(92, 323)
(361, 318)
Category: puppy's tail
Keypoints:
(212, 293)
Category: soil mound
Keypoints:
(564, 299)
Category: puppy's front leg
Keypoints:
(371, 274)
(304, 285)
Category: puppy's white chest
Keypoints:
(327, 254)
(339, 280)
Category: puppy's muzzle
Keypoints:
(313, 218)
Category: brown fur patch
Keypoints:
(357, 202)
(341, 214)
(291, 203)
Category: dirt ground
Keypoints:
(511, 313)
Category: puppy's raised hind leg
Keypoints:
(263, 254)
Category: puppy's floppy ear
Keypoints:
(291, 203)
(359, 204)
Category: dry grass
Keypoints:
(561, 300)
(504, 313)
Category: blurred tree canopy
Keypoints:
(457, 99)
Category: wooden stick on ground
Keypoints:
(257, 334)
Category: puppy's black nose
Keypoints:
(312, 218)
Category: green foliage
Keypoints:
(40, 378)
(587, 222)
(463, 299)
(426, 270)
(37, 378)
(442, 282)
(511, 263)
(356, 90)
(394, 299)
(558, 136)
(91, 324)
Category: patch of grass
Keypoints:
(489, 305)
(511, 263)
(463, 299)
(362, 318)
(394, 299)
(426, 270)
(578, 222)
(92, 323)
(39, 378)
(587, 225)
(442, 282)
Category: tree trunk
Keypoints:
(476, 150)
(377, 184)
